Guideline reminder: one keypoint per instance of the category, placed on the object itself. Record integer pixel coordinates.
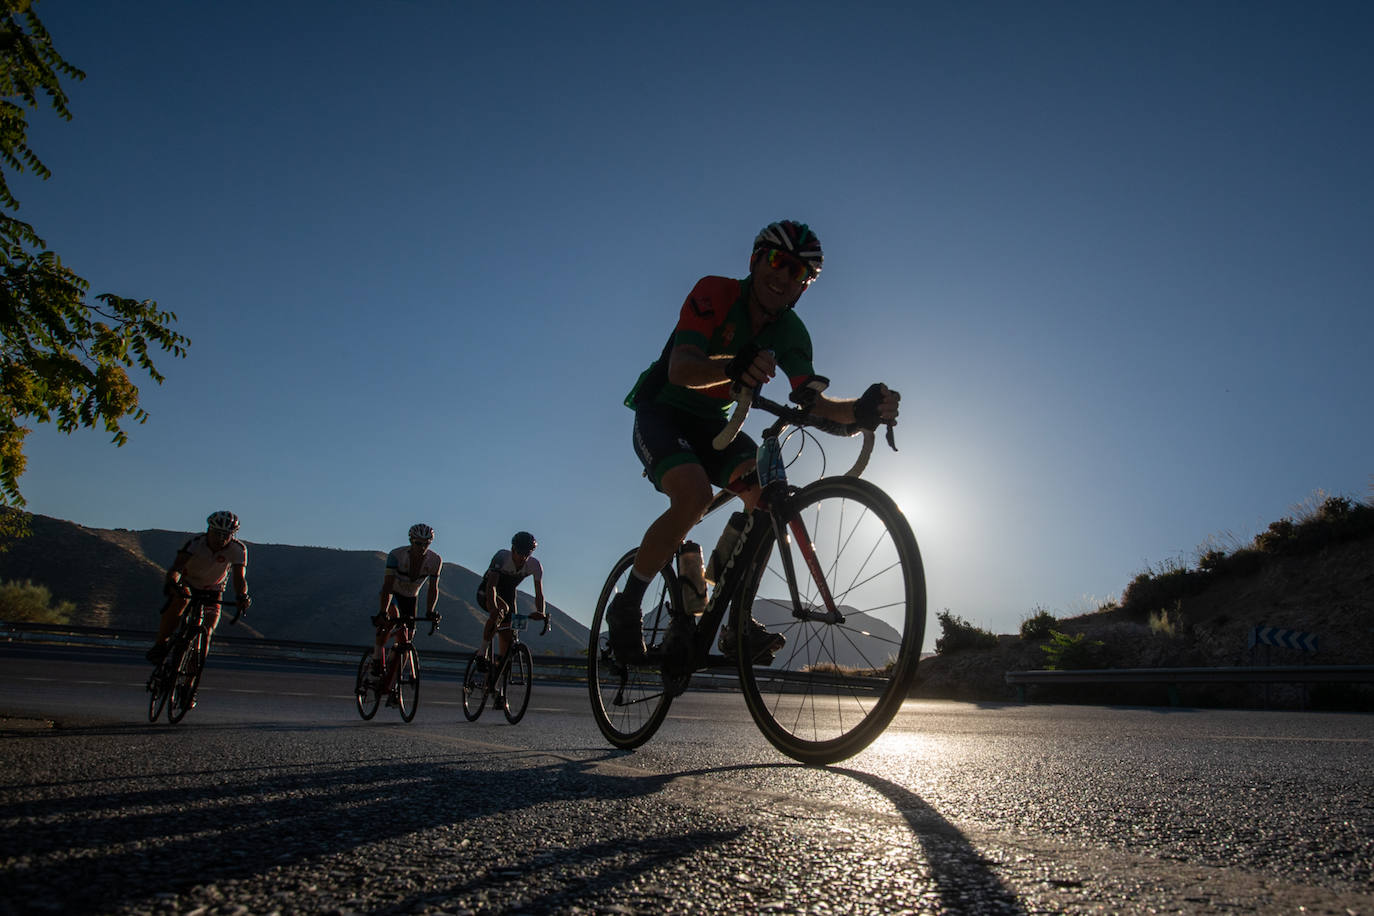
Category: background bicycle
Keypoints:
(399, 677)
(832, 566)
(176, 678)
(509, 681)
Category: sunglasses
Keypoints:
(797, 270)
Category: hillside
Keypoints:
(1329, 593)
(315, 594)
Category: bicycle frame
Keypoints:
(774, 504)
(850, 612)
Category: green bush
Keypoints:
(958, 634)
(1071, 653)
(1152, 590)
(1038, 625)
(29, 603)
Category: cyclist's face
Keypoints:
(420, 545)
(217, 537)
(779, 279)
(518, 557)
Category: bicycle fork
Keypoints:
(797, 528)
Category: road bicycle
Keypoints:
(508, 681)
(832, 566)
(400, 668)
(176, 678)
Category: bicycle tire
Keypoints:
(630, 702)
(408, 683)
(185, 680)
(474, 690)
(365, 688)
(834, 687)
(159, 682)
(517, 682)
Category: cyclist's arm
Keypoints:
(432, 600)
(690, 367)
(387, 584)
(173, 579)
(493, 600)
(539, 596)
(240, 576)
(842, 410)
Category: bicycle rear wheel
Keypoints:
(474, 690)
(630, 701)
(186, 679)
(517, 682)
(365, 688)
(835, 685)
(408, 683)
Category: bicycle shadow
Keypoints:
(960, 873)
(546, 836)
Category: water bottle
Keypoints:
(726, 546)
(691, 577)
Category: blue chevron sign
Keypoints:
(1288, 639)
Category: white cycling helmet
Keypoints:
(421, 532)
(223, 520)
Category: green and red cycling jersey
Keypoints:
(715, 318)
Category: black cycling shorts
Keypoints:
(405, 606)
(665, 437)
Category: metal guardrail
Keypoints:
(1240, 674)
(549, 667)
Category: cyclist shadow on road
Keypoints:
(651, 861)
(403, 830)
(205, 834)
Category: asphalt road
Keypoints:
(273, 796)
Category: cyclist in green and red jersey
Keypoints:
(729, 332)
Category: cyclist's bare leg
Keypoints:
(382, 633)
(211, 621)
(689, 493)
(401, 634)
(495, 613)
(171, 612)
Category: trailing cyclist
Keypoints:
(496, 593)
(407, 569)
(204, 562)
(730, 334)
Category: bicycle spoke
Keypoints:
(835, 684)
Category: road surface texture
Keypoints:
(273, 796)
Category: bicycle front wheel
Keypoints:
(839, 679)
(629, 701)
(186, 679)
(158, 688)
(517, 681)
(408, 683)
(474, 690)
(365, 688)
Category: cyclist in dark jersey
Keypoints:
(729, 332)
(496, 593)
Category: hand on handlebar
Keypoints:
(544, 616)
(878, 404)
(751, 367)
(433, 622)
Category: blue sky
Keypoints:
(1115, 256)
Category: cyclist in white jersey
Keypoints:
(407, 568)
(496, 594)
(205, 562)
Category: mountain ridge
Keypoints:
(314, 594)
